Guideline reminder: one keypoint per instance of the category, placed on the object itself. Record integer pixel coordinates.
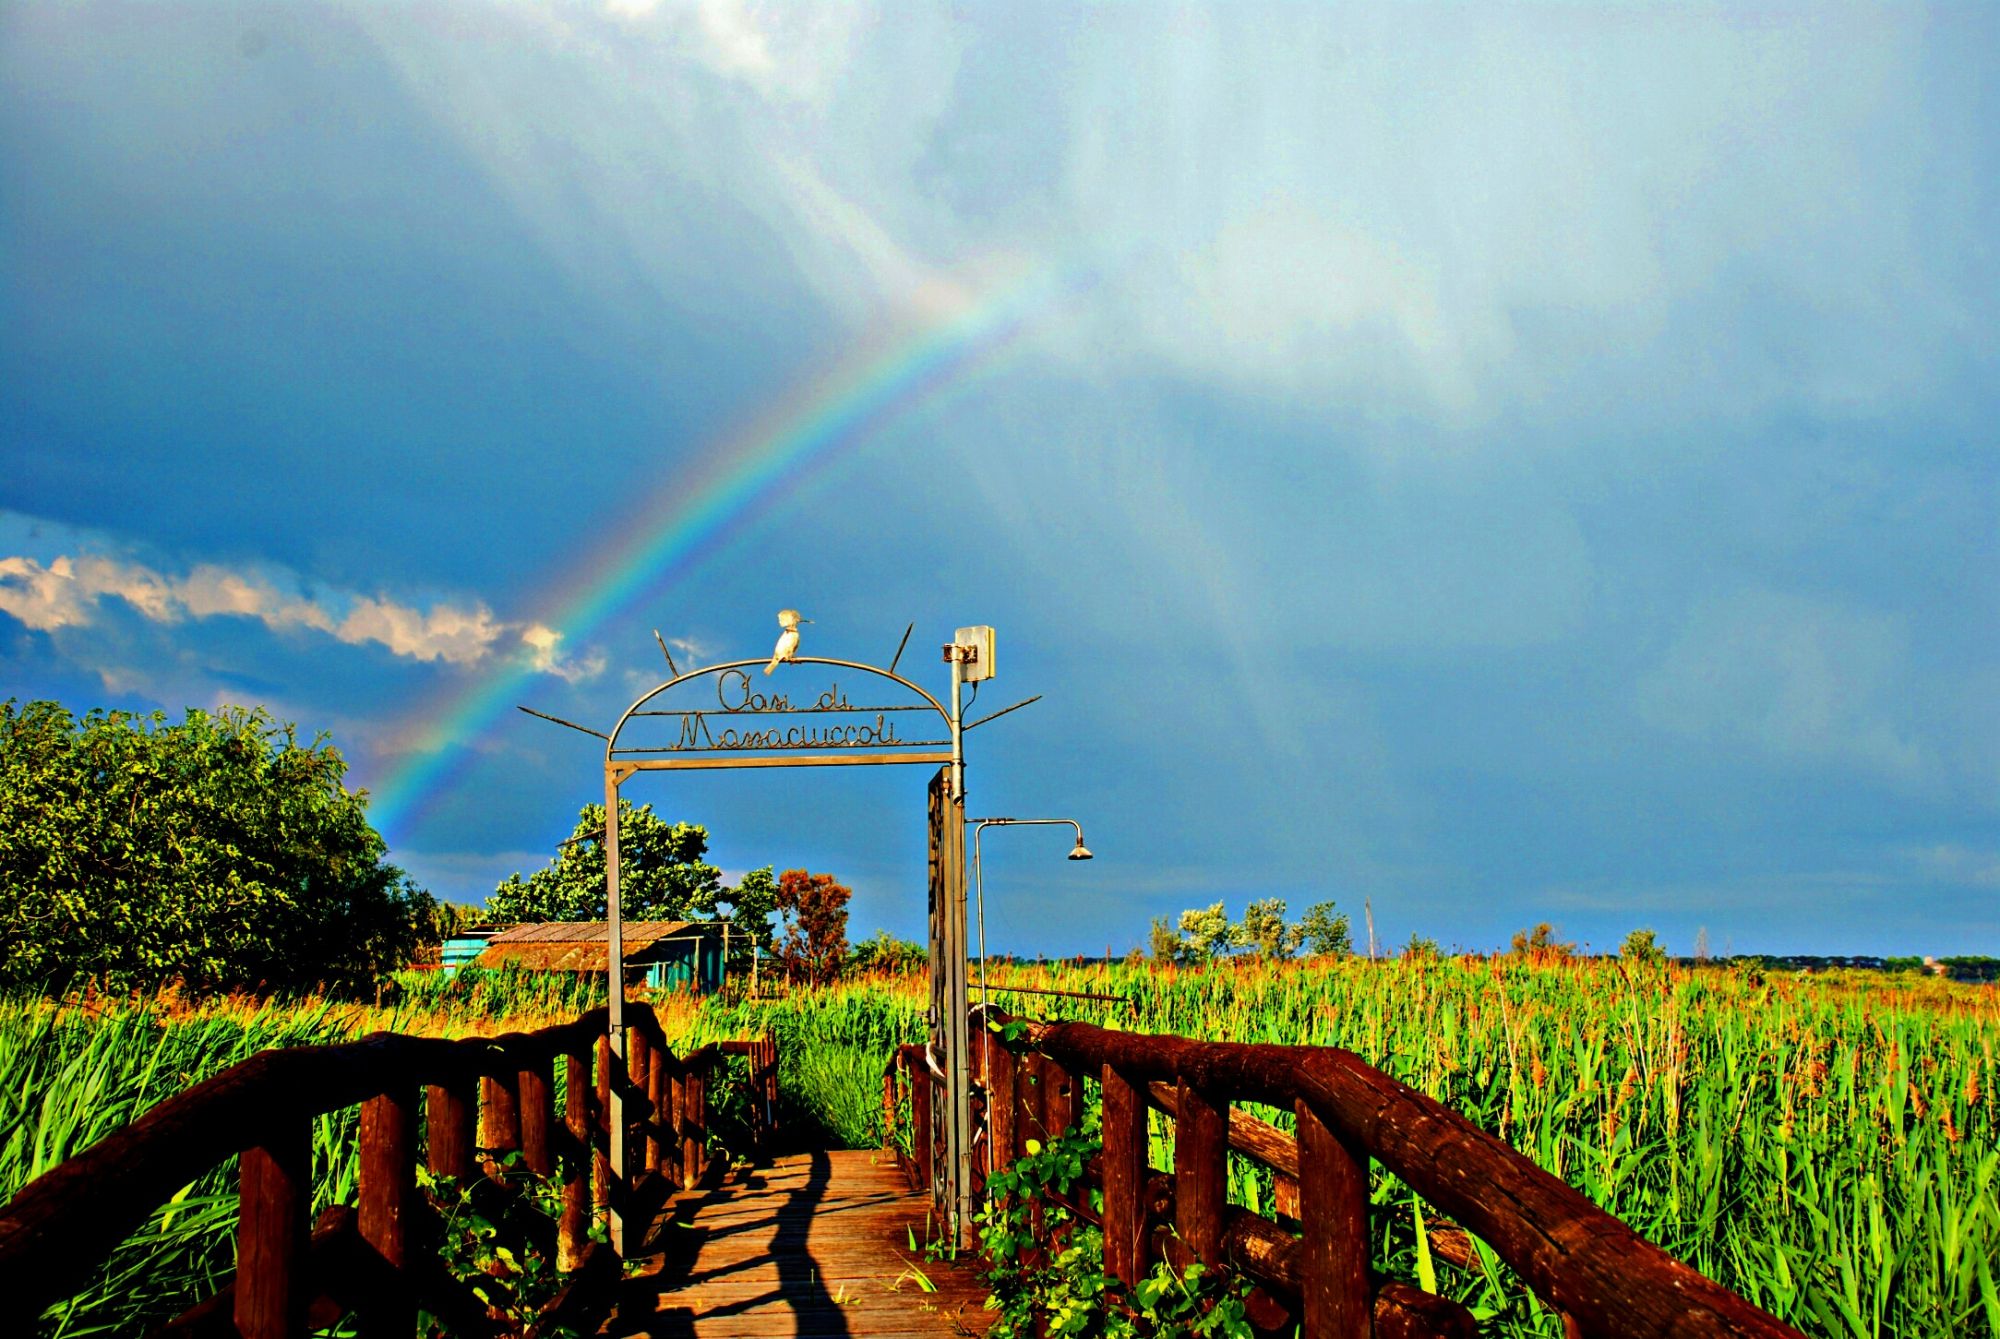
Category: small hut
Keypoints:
(463, 949)
(665, 955)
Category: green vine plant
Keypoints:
(498, 1236)
(1052, 1281)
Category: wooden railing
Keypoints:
(1310, 1261)
(490, 1096)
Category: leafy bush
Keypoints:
(1048, 1278)
(219, 852)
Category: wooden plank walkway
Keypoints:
(817, 1245)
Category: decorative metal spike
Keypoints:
(1002, 712)
(899, 647)
(672, 668)
(571, 724)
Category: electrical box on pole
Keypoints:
(977, 646)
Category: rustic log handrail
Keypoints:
(56, 1229)
(1606, 1279)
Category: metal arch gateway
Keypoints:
(748, 728)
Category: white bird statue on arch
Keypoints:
(788, 640)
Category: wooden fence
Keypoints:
(377, 1259)
(1310, 1261)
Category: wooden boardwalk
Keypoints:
(815, 1245)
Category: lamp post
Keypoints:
(1077, 852)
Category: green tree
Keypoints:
(1641, 946)
(885, 954)
(1324, 930)
(218, 851)
(1263, 928)
(814, 908)
(662, 873)
(1421, 949)
(1540, 944)
(1164, 942)
(443, 920)
(752, 904)
(1204, 933)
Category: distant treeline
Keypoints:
(1964, 968)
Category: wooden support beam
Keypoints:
(694, 1123)
(1003, 1108)
(499, 1122)
(450, 1116)
(659, 1118)
(388, 1179)
(535, 1110)
(922, 1149)
(272, 1232)
(573, 1224)
(1124, 1164)
(1333, 1195)
(1201, 1172)
(639, 1060)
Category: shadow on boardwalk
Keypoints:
(816, 1245)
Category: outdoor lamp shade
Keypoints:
(1081, 852)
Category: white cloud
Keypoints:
(693, 652)
(1400, 215)
(44, 598)
(67, 592)
(545, 654)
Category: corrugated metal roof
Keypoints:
(581, 946)
(636, 934)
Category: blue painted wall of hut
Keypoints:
(693, 963)
(460, 951)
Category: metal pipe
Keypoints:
(979, 881)
(1070, 994)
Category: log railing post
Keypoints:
(499, 1122)
(600, 1130)
(1061, 1098)
(275, 1197)
(573, 1225)
(1031, 1081)
(1333, 1209)
(889, 1144)
(388, 1175)
(1201, 1173)
(767, 1129)
(679, 1089)
(694, 1120)
(450, 1115)
(639, 1063)
(1030, 1087)
(657, 1125)
(1002, 1109)
(921, 1151)
(534, 1109)
(1124, 1122)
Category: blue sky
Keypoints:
(1500, 465)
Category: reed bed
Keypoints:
(1829, 1147)
(1824, 1146)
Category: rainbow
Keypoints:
(740, 478)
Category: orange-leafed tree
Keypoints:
(814, 911)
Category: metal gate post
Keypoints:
(614, 954)
(958, 1070)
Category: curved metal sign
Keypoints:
(730, 715)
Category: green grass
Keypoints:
(1826, 1147)
(68, 1079)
